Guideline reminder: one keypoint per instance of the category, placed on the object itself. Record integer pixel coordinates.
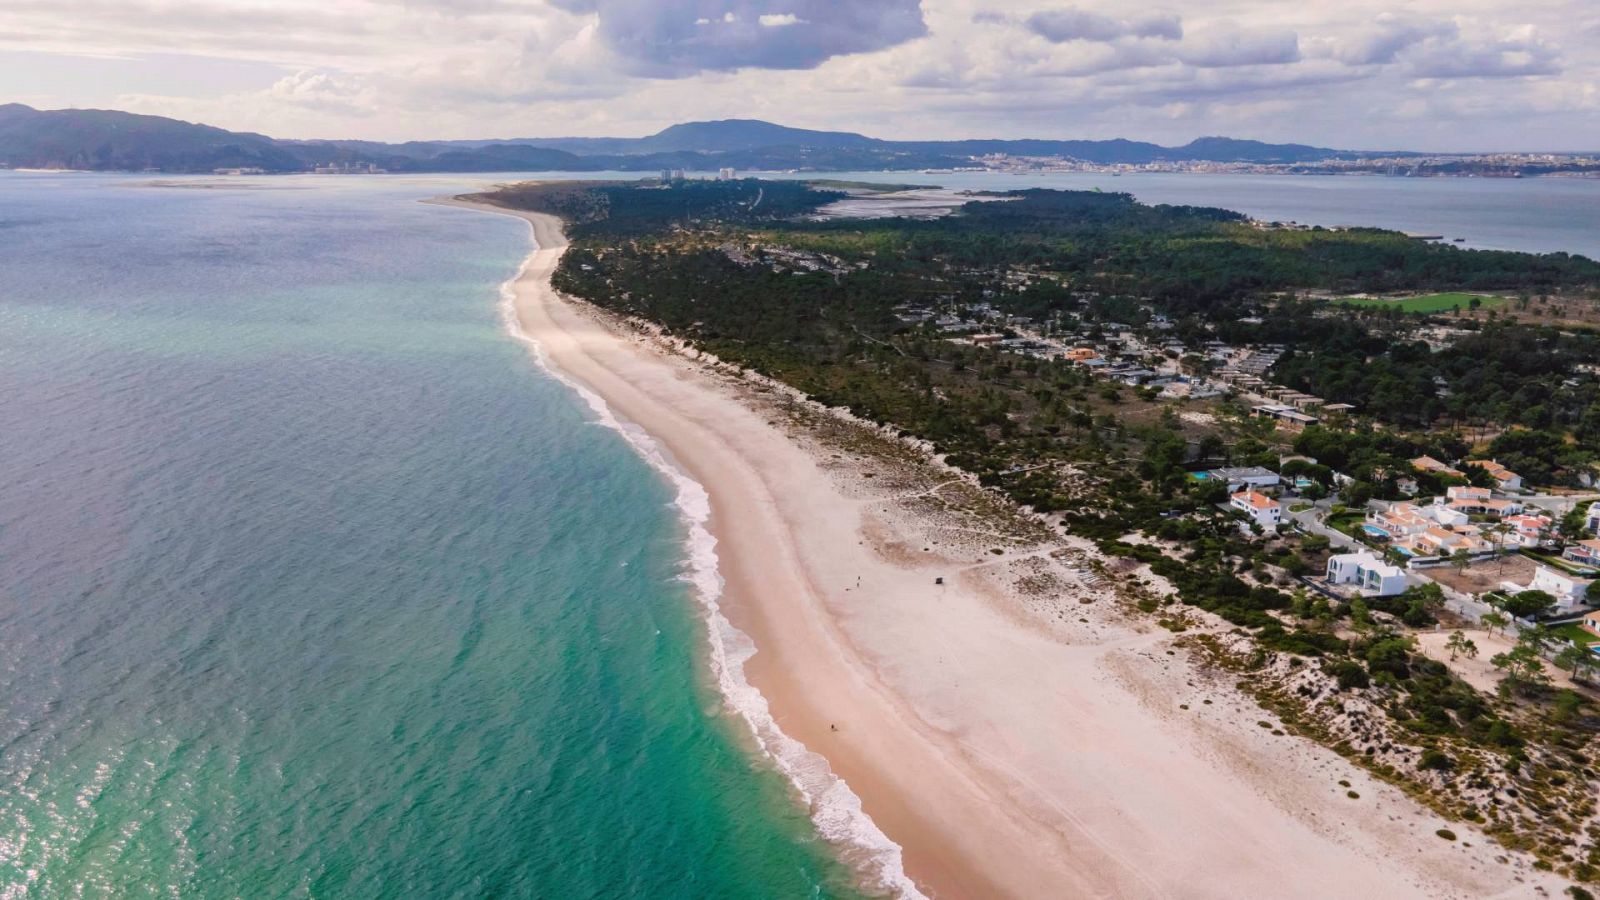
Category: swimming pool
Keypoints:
(1376, 533)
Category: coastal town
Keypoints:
(1477, 534)
(1484, 514)
(1409, 165)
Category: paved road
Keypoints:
(1464, 606)
(1310, 521)
(1557, 506)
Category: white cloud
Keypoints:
(1448, 72)
(1071, 24)
(1227, 44)
(1388, 37)
(1514, 51)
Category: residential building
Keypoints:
(1584, 552)
(1527, 530)
(1480, 502)
(1504, 477)
(1370, 575)
(1404, 519)
(1570, 591)
(1591, 622)
(1240, 477)
(1286, 414)
(1437, 541)
(1429, 464)
(1258, 509)
(1592, 520)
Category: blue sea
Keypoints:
(314, 584)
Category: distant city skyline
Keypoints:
(1467, 76)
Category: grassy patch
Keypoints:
(1575, 634)
(1554, 561)
(1496, 599)
(1348, 524)
(1428, 303)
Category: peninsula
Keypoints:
(975, 483)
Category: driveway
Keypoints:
(1310, 521)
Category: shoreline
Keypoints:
(1005, 756)
(807, 773)
(832, 806)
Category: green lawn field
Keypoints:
(1575, 634)
(1427, 303)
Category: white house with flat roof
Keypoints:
(1245, 477)
(1370, 575)
(1570, 591)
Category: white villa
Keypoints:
(1585, 552)
(1245, 478)
(1371, 575)
(1478, 501)
(1526, 530)
(1570, 591)
(1259, 509)
(1402, 520)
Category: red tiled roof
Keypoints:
(1259, 501)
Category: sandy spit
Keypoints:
(1010, 745)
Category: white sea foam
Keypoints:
(834, 807)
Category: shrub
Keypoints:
(1436, 760)
(1528, 604)
(1349, 673)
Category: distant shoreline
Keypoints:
(826, 174)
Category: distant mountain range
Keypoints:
(107, 140)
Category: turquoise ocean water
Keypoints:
(313, 584)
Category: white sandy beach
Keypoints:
(1013, 746)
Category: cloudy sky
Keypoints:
(1364, 74)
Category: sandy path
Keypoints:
(1477, 670)
(1006, 759)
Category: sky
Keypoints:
(1351, 74)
